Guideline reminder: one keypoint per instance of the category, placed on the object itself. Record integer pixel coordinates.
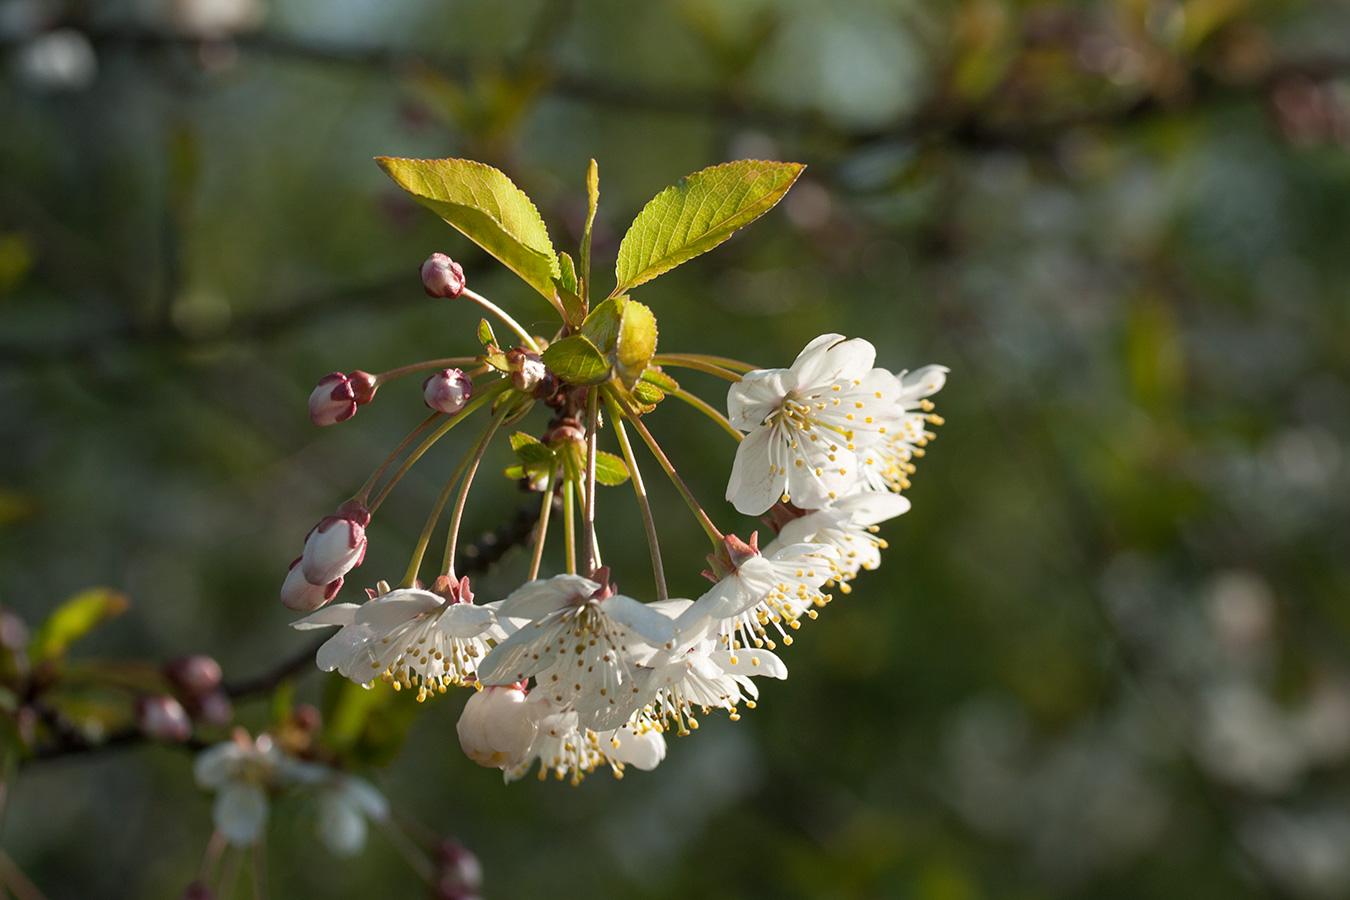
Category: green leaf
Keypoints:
(568, 278)
(499, 362)
(592, 203)
(485, 335)
(74, 619)
(530, 450)
(602, 324)
(576, 360)
(648, 394)
(698, 213)
(637, 342)
(483, 204)
(609, 469)
(655, 376)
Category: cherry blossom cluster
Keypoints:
(568, 672)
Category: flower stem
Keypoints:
(504, 316)
(448, 563)
(415, 564)
(362, 494)
(725, 362)
(653, 542)
(542, 531)
(570, 524)
(703, 520)
(485, 396)
(446, 363)
(702, 406)
(259, 860)
(588, 548)
(694, 361)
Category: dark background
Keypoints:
(1106, 653)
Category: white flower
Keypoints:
(409, 637)
(242, 772)
(805, 423)
(849, 527)
(494, 729)
(345, 803)
(888, 463)
(564, 747)
(762, 590)
(579, 644)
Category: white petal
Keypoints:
(397, 607)
(648, 624)
(214, 765)
(342, 828)
(758, 393)
(755, 483)
(465, 620)
(337, 614)
(522, 654)
(644, 751)
(539, 598)
(240, 812)
(768, 666)
(923, 382)
(872, 507)
(831, 357)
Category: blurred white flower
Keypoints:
(242, 773)
(60, 60)
(345, 804)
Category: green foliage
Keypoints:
(485, 335)
(610, 469)
(491, 211)
(576, 360)
(74, 619)
(696, 214)
(529, 450)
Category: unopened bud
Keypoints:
(447, 391)
(307, 717)
(363, 386)
(336, 545)
(163, 718)
(198, 891)
(193, 675)
(527, 369)
(333, 400)
(494, 729)
(458, 867)
(442, 276)
(215, 709)
(300, 595)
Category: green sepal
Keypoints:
(485, 335)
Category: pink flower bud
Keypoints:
(336, 545)
(447, 391)
(300, 595)
(494, 729)
(333, 400)
(193, 675)
(215, 709)
(458, 872)
(442, 276)
(163, 718)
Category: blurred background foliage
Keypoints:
(1106, 654)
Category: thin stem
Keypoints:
(410, 852)
(708, 526)
(707, 409)
(694, 362)
(229, 872)
(589, 551)
(725, 362)
(18, 883)
(478, 400)
(653, 542)
(542, 530)
(214, 848)
(398, 451)
(415, 564)
(502, 314)
(259, 859)
(570, 524)
(446, 363)
(452, 539)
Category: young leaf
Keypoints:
(74, 619)
(603, 323)
(647, 394)
(576, 360)
(483, 204)
(609, 469)
(530, 450)
(696, 214)
(592, 203)
(568, 278)
(637, 342)
(655, 376)
(485, 335)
